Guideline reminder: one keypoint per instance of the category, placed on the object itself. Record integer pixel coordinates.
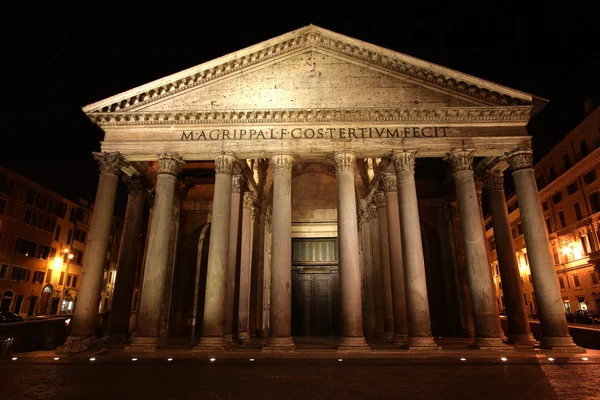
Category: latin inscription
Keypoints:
(315, 133)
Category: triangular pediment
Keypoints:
(310, 68)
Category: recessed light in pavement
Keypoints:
(463, 359)
(56, 358)
(134, 359)
(550, 359)
(169, 359)
(584, 358)
(14, 358)
(212, 359)
(93, 359)
(504, 359)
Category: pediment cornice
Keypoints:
(514, 114)
(313, 37)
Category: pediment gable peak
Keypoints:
(314, 37)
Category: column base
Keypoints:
(143, 344)
(481, 343)
(422, 343)
(561, 343)
(209, 343)
(400, 339)
(356, 343)
(244, 337)
(67, 347)
(279, 344)
(118, 338)
(524, 341)
(229, 338)
(387, 336)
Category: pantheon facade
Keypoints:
(318, 185)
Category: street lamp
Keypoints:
(66, 270)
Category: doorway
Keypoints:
(315, 287)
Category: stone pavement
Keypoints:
(314, 371)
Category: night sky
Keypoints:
(58, 62)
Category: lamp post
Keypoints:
(66, 268)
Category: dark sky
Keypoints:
(58, 62)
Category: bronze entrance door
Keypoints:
(315, 288)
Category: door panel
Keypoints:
(314, 309)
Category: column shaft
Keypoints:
(155, 271)
(519, 332)
(417, 304)
(555, 332)
(120, 311)
(245, 267)
(213, 326)
(396, 267)
(386, 278)
(237, 189)
(352, 337)
(280, 333)
(485, 318)
(88, 300)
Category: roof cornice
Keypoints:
(515, 115)
(313, 37)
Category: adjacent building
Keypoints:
(568, 180)
(43, 240)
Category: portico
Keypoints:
(320, 153)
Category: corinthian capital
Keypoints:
(344, 162)
(110, 163)
(389, 181)
(379, 199)
(404, 160)
(136, 184)
(169, 164)
(493, 180)
(237, 182)
(520, 158)
(249, 199)
(460, 159)
(282, 163)
(224, 163)
(363, 212)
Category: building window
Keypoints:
(577, 211)
(567, 161)
(557, 198)
(69, 277)
(552, 173)
(572, 188)
(52, 252)
(40, 201)
(561, 216)
(6, 185)
(595, 202)
(25, 247)
(519, 229)
(595, 280)
(57, 208)
(584, 148)
(584, 244)
(576, 281)
(530, 279)
(49, 276)
(3, 271)
(525, 297)
(30, 198)
(57, 233)
(541, 183)
(561, 282)
(545, 205)
(2, 205)
(548, 225)
(79, 235)
(69, 235)
(43, 252)
(74, 282)
(590, 177)
(500, 285)
(49, 224)
(62, 278)
(567, 304)
(38, 277)
(582, 303)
